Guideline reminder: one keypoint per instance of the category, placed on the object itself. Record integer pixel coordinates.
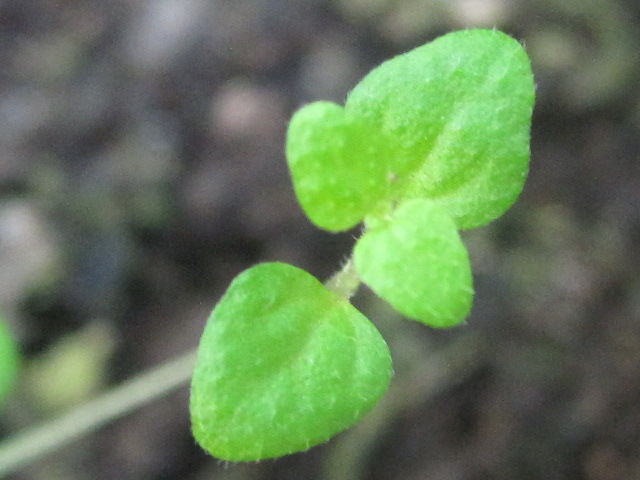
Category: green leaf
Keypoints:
(340, 165)
(449, 120)
(462, 106)
(283, 365)
(417, 262)
(9, 361)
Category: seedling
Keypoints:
(428, 143)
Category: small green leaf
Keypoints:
(462, 106)
(283, 365)
(9, 360)
(417, 262)
(340, 165)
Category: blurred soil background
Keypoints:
(142, 168)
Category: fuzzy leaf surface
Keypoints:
(417, 262)
(449, 121)
(340, 165)
(283, 365)
(460, 108)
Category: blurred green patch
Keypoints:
(9, 361)
(72, 370)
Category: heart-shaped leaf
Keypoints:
(283, 365)
(340, 165)
(461, 104)
(448, 120)
(417, 262)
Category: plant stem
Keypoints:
(27, 446)
(346, 282)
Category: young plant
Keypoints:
(428, 143)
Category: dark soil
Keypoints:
(142, 168)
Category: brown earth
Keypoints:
(142, 168)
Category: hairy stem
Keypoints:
(25, 447)
(346, 282)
